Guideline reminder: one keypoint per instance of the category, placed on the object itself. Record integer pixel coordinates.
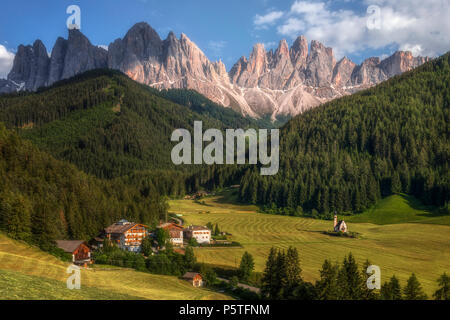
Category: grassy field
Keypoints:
(400, 209)
(28, 273)
(399, 249)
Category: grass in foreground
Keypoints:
(16, 285)
(398, 249)
(23, 266)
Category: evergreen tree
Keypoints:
(246, 266)
(281, 276)
(189, 257)
(327, 287)
(217, 230)
(350, 280)
(443, 293)
(391, 290)
(293, 270)
(146, 246)
(413, 290)
(162, 237)
(269, 279)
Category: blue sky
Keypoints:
(228, 29)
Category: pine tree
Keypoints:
(327, 287)
(413, 290)
(246, 266)
(269, 276)
(189, 257)
(350, 279)
(443, 293)
(293, 270)
(280, 288)
(391, 290)
(216, 230)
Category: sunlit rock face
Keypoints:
(285, 81)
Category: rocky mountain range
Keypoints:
(285, 81)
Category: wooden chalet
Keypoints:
(175, 233)
(195, 278)
(80, 251)
(126, 235)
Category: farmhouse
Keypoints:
(201, 234)
(81, 253)
(194, 278)
(127, 235)
(340, 226)
(175, 233)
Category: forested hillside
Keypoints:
(347, 154)
(109, 125)
(43, 199)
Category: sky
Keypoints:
(227, 29)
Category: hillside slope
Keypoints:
(109, 125)
(43, 199)
(28, 273)
(347, 154)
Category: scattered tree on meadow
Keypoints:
(269, 279)
(350, 280)
(443, 293)
(328, 287)
(189, 257)
(391, 290)
(293, 270)
(216, 230)
(413, 290)
(246, 266)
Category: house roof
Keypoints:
(197, 228)
(69, 245)
(121, 227)
(339, 224)
(170, 225)
(191, 275)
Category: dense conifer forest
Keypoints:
(345, 155)
(110, 126)
(43, 199)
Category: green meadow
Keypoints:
(387, 238)
(28, 273)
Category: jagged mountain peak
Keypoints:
(287, 80)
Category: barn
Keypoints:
(80, 251)
(194, 278)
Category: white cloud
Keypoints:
(103, 46)
(268, 19)
(6, 61)
(217, 47)
(415, 25)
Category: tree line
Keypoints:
(282, 280)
